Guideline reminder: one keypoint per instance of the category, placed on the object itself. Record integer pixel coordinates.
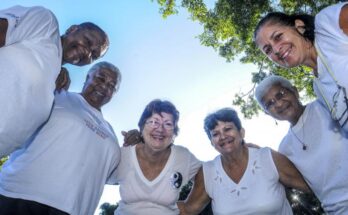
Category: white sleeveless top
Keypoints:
(258, 192)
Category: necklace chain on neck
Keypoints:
(304, 146)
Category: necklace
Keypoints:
(304, 146)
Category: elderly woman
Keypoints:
(152, 174)
(241, 180)
(320, 43)
(317, 151)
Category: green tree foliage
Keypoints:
(2, 161)
(107, 208)
(228, 29)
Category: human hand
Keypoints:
(131, 137)
(63, 80)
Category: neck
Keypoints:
(297, 117)
(235, 158)
(311, 59)
(153, 156)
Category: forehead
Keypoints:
(104, 72)
(222, 124)
(163, 116)
(273, 90)
(266, 31)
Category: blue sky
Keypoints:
(161, 59)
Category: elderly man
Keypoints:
(313, 143)
(31, 56)
(63, 169)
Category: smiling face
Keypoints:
(226, 138)
(282, 104)
(284, 45)
(158, 131)
(82, 45)
(99, 87)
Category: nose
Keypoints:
(222, 136)
(276, 49)
(277, 103)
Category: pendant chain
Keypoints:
(304, 146)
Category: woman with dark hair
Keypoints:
(152, 174)
(320, 43)
(241, 180)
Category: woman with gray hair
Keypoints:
(241, 180)
(313, 142)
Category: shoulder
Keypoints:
(212, 164)
(181, 150)
(328, 15)
(257, 152)
(36, 11)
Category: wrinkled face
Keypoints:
(283, 45)
(226, 138)
(158, 132)
(282, 104)
(82, 46)
(99, 87)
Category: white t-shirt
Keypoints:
(332, 42)
(324, 164)
(258, 192)
(68, 162)
(30, 63)
(159, 196)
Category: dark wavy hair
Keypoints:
(158, 106)
(224, 115)
(278, 18)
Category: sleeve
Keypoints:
(28, 23)
(112, 179)
(194, 166)
(327, 20)
(208, 172)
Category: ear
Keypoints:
(300, 26)
(295, 91)
(72, 29)
(242, 133)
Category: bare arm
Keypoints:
(288, 173)
(197, 199)
(343, 20)
(63, 80)
(3, 30)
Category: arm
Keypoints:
(3, 30)
(63, 80)
(343, 20)
(288, 174)
(198, 197)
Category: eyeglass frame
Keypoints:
(153, 123)
(277, 97)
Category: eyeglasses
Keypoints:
(169, 126)
(278, 96)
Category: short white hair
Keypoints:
(265, 85)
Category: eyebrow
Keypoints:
(271, 37)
